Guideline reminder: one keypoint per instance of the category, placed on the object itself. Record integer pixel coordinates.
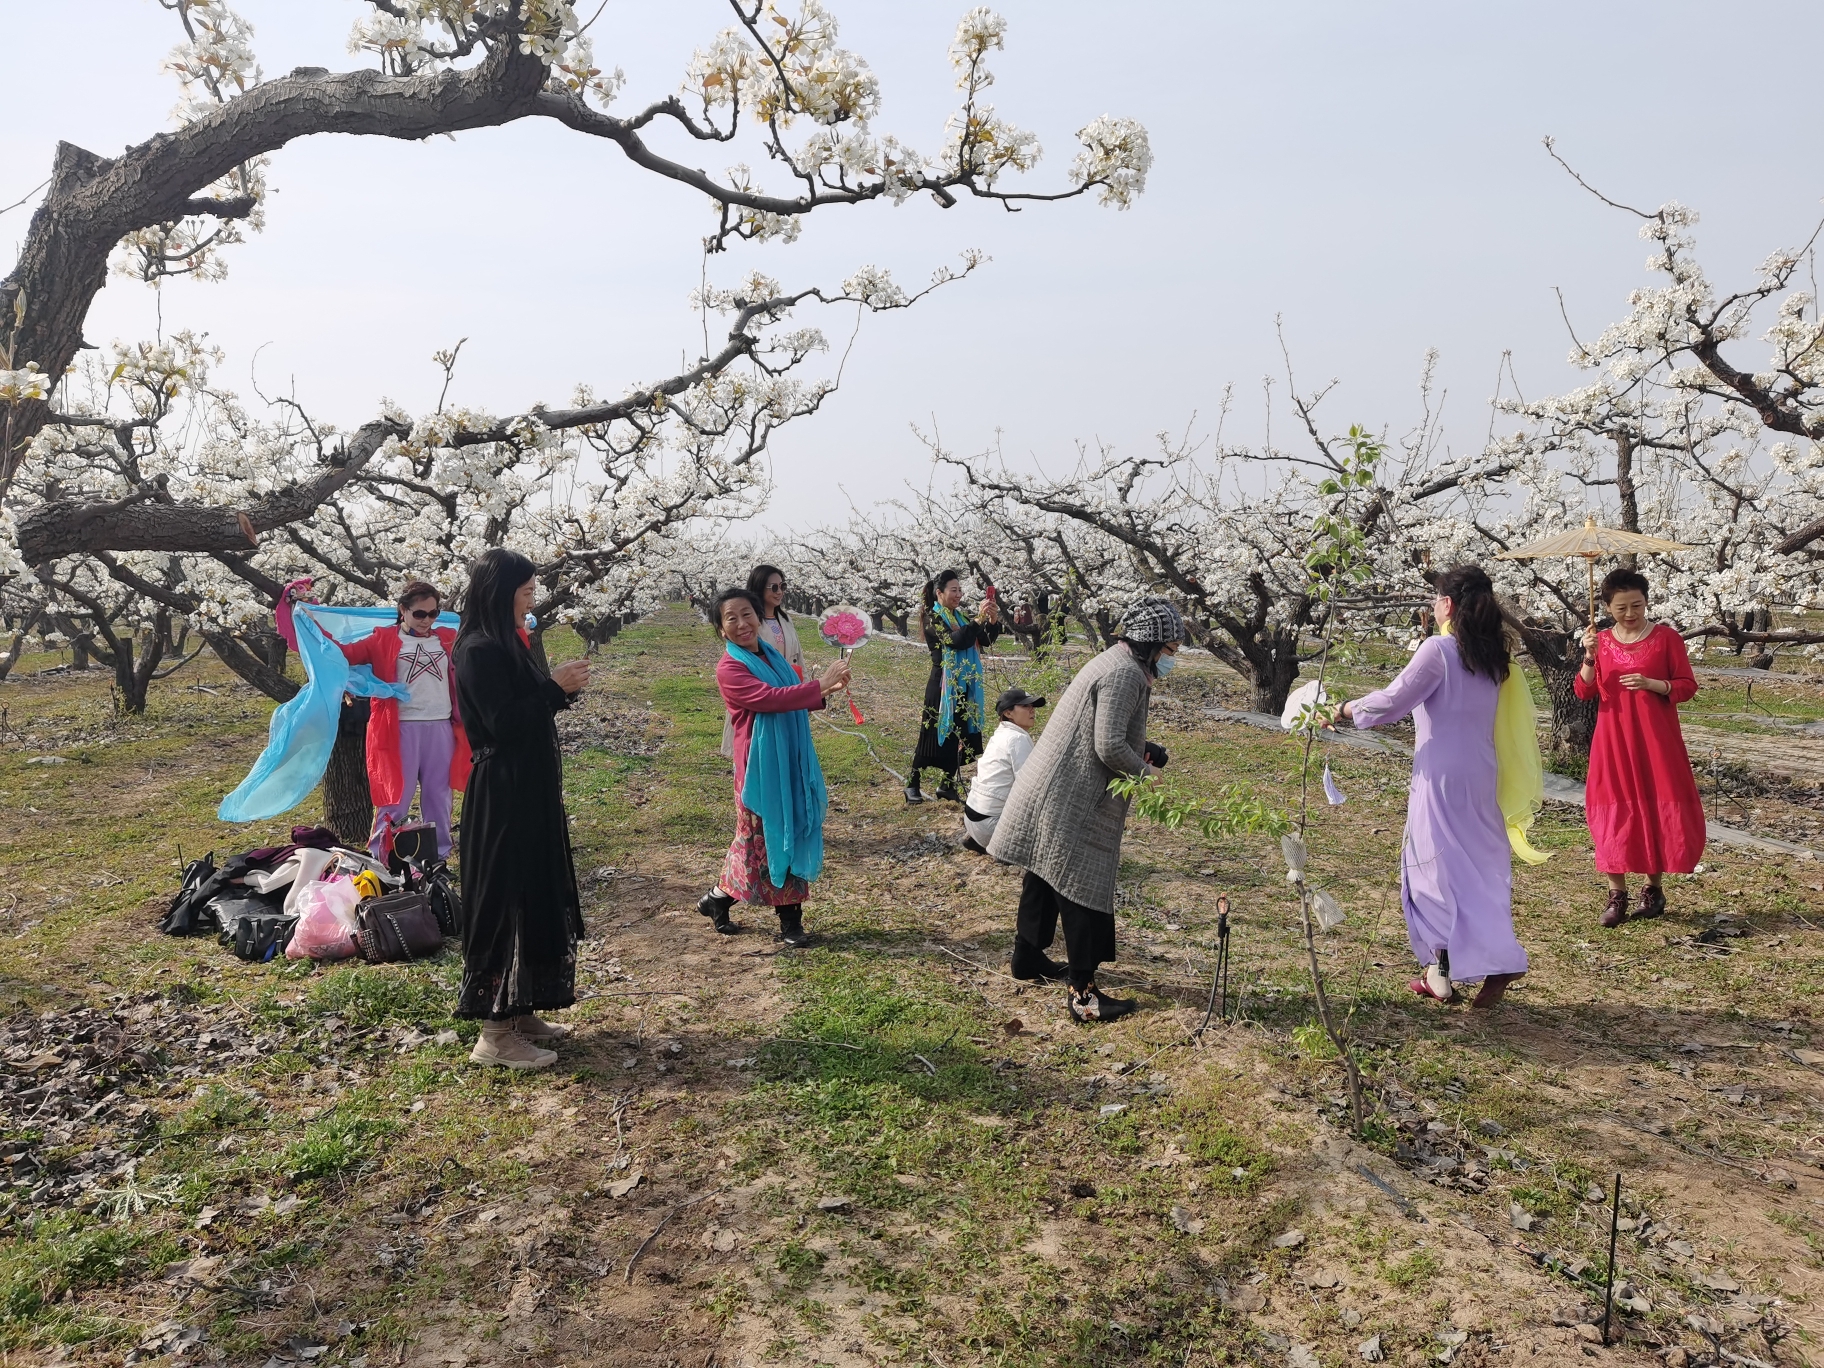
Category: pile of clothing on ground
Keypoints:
(316, 898)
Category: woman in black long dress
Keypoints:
(522, 917)
(950, 728)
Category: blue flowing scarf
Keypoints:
(302, 732)
(784, 783)
(962, 675)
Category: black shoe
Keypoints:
(947, 792)
(791, 925)
(1091, 1004)
(975, 846)
(913, 795)
(1031, 963)
(715, 906)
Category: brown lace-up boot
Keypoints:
(1617, 911)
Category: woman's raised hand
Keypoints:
(571, 676)
(991, 611)
(1589, 641)
(835, 677)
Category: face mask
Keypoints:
(1165, 665)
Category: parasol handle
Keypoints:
(1590, 561)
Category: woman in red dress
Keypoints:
(1642, 804)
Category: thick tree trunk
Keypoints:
(348, 805)
(134, 678)
(1557, 656)
(21, 630)
(1273, 669)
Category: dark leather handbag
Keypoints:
(414, 843)
(399, 926)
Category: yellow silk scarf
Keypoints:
(1519, 772)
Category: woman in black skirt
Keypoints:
(521, 914)
(950, 728)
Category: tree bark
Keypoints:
(348, 805)
(134, 677)
(1273, 669)
(21, 630)
(67, 527)
(249, 666)
(1558, 655)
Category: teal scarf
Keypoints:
(962, 675)
(784, 783)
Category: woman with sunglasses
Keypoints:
(415, 745)
(767, 584)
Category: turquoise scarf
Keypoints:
(784, 783)
(962, 675)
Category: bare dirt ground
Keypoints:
(883, 1149)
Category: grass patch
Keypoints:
(333, 1146)
(50, 1259)
(1414, 1271)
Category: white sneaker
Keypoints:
(501, 1045)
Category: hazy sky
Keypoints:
(1371, 172)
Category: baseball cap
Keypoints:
(1014, 698)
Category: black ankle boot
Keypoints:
(911, 790)
(791, 925)
(715, 906)
(947, 791)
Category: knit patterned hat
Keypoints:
(1150, 620)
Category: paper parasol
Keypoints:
(1592, 543)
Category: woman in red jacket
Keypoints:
(416, 745)
(779, 773)
(1641, 801)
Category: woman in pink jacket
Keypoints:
(760, 690)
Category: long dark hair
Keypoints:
(1475, 620)
(756, 584)
(487, 608)
(927, 620)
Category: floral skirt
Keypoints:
(744, 872)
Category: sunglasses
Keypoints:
(776, 584)
(421, 614)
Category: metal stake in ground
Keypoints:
(1219, 983)
(1608, 1293)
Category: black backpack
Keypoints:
(189, 913)
(446, 901)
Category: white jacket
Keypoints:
(1001, 759)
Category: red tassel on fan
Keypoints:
(855, 713)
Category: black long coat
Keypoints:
(522, 917)
(965, 741)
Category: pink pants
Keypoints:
(425, 752)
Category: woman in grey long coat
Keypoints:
(1064, 826)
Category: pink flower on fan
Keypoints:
(844, 627)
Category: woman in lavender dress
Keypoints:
(1456, 872)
